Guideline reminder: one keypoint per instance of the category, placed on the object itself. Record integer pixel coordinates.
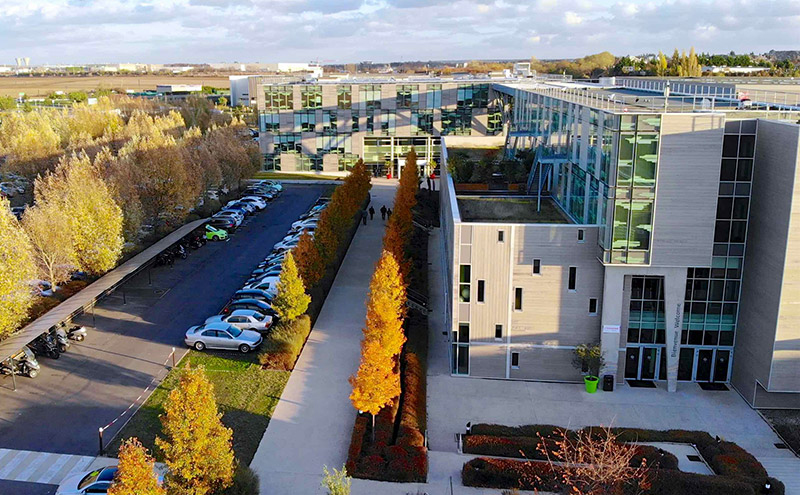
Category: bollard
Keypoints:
(173, 357)
(13, 374)
(149, 277)
(100, 438)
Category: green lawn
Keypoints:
(291, 176)
(246, 394)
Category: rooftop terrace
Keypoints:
(509, 210)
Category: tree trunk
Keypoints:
(373, 429)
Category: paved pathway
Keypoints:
(312, 423)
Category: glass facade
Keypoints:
(278, 97)
(408, 96)
(344, 97)
(311, 96)
(370, 95)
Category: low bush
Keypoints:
(356, 442)
(546, 431)
(485, 472)
(245, 482)
(680, 483)
(284, 342)
(654, 458)
(522, 447)
(727, 458)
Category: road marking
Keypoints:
(41, 467)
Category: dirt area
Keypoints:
(509, 210)
(44, 85)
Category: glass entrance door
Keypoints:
(721, 365)
(705, 357)
(645, 363)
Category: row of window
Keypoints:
(407, 96)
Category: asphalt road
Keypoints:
(136, 327)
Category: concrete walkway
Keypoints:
(313, 421)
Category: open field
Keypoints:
(44, 85)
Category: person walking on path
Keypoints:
(364, 216)
(429, 183)
(371, 213)
(388, 214)
(383, 212)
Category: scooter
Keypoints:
(62, 340)
(45, 345)
(77, 333)
(181, 251)
(22, 363)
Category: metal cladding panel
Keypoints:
(686, 189)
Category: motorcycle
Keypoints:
(22, 363)
(77, 333)
(62, 339)
(164, 258)
(45, 345)
(181, 251)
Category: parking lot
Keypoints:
(131, 336)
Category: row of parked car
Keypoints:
(242, 323)
(255, 198)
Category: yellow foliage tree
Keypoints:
(292, 300)
(47, 226)
(309, 262)
(95, 220)
(196, 445)
(135, 474)
(386, 307)
(29, 142)
(377, 382)
(16, 268)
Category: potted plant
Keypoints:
(588, 359)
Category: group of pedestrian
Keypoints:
(386, 213)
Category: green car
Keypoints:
(215, 234)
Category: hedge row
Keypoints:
(534, 448)
(732, 464)
(284, 343)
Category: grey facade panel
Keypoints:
(686, 189)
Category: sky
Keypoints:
(342, 31)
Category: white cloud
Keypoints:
(572, 19)
(88, 31)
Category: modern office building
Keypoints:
(327, 126)
(666, 229)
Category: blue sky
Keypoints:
(339, 31)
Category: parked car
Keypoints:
(303, 223)
(260, 295)
(266, 271)
(234, 211)
(286, 244)
(261, 193)
(237, 221)
(272, 183)
(259, 203)
(215, 234)
(253, 304)
(226, 223)
(222, 335)
(244, 319)
(268, 284)
(247, 208)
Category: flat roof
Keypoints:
(505, 209)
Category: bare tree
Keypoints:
(593, 462)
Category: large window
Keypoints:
(311, 96)
(457, 122)
(646, 323)
(305, 121)
(370, 95)
(355, 119)
(288, 142)
(329, 121)
(473, 95)
(344, 97)
(269, 122)
(388, 122)
(408, 96)
(278, 97)
(494, 122)
(433, 98)
(370, 121)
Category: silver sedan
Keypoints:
(245, 319)
(222, 335)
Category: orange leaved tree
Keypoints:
(309, 262)
(376, 383)
(135, 474)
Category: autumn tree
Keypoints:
(16, 268)
(196, 445)
(47, 226)
(94, 218)
(292, 300)
(309, 262)
(661, 64)
(386, 307)
(135, 472)
(376, 383)
(29, 142)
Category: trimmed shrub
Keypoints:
(654, 458)
(356, 442)
(521, 447)
(485, 472)
(284, 343)
(680, 483)
(546, 431)
(245, 482)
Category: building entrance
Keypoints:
(647, 363)
(708, 364)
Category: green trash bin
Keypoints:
(591, 383)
